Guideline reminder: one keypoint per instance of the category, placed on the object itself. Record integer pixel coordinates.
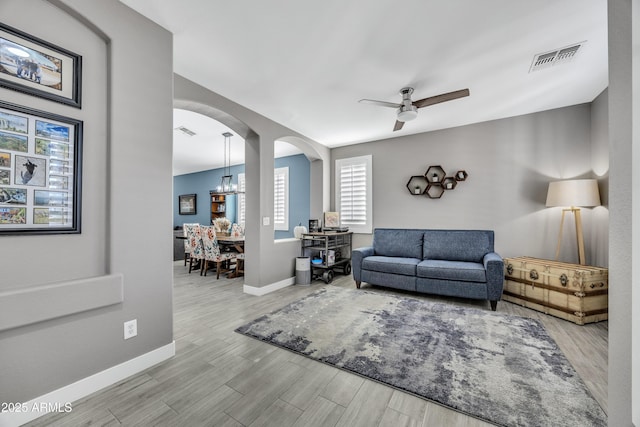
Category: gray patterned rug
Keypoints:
(502, 369)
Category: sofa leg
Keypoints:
(494, 305)
(358, 284)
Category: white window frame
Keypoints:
(366, 161)
(281, 201)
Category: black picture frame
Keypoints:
(39, 68)
(43, 191)
(187, 204)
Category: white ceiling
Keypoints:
(206, 149)
(306, 64)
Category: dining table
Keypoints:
(236, 241)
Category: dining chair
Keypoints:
(187, 246)
(212, 253)
(237, 230)
(194, 238)
(239, 265)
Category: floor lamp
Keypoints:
(575, 193)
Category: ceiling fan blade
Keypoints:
(380, 103)
(441, 98)
(398, 125)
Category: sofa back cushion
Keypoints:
(457, 245)
(398, 242)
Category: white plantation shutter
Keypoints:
(241, 199)
(280, 202)
(353, 193)
(281, 198)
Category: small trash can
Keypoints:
(303, 270)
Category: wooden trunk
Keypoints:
(574, 292)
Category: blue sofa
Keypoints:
(460, 263)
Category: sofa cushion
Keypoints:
(396, 281)
(393, 265)
(452, 270)
(457, 245)
(398, 242)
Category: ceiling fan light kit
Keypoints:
(407, 114)
(408, 109)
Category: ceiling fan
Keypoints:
(408, 110)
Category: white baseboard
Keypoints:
(252, 290)
(57, 399)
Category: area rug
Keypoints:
(499, 368)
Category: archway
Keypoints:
(270, 263)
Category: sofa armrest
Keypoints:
(357, 255)
(494, 267)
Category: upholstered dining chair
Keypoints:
(196, 252)
(212, 252)
(187, 246)
(237, 230)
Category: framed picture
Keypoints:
(187, 204)
(34, 66)
(331, 219)
(40, 172)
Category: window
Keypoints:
(353, 193)
(241, 199)
(280, 196)
(281, 199)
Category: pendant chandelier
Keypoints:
(226, 183)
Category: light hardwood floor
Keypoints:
(221, 378)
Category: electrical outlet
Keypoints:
(130, 329)
(266, 220)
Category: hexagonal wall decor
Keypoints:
(435, 182)
(435, 174)
(449, 183)
(417, 184)
(435, 191)
(461, 175)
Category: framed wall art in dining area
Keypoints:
(37, 67)
(40, 172)
(187, 204)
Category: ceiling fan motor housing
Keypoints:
(407, 110)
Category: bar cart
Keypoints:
(329, 251)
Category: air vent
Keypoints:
(185, 130)
(555, 57)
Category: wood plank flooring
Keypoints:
(221, 378)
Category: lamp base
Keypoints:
(579, 235)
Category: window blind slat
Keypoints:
(281, 197)
(353, 194)
(241, 199)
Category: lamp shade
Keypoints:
(573, 192)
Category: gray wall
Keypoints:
(510, 163)
(623, 245)
(634, 303)
(599, 224)
(127, 125)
